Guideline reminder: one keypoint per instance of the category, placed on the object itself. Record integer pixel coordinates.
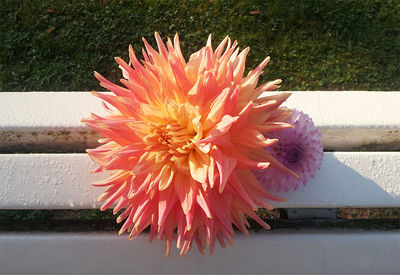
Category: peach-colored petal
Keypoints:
(198, 164)
(181, 138)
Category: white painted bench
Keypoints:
(351, 122)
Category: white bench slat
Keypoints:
(62, 181)
(52, 119)
(274, 252)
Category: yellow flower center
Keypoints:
(173, 137)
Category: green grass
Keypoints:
(314, 45)
(94, 220)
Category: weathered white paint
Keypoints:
(45, 121)
(51, 120)
(351, 179)
(49, 110)
(273, 252)
(56, 181)
(349, 109)
(353, 120)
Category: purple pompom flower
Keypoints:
(298, 148)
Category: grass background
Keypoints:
(314, 44)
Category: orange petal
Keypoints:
(166, 176)
(198, 164)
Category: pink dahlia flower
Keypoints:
(298, 148)
(182, 139)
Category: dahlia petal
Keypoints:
(208, 44)
(180, 75)
(279, 98)
(166, 177)
(299, 149)
(253, 138)
(154, 56)
(117, 177)
(272, 85)
(128, 222)
(220, 128)
(118, 90)
(261, 115)
(276, 164)
(198, 164)
(113, 197)
(139, 184)
(241, 192)
(120, 163)
(208, 88)
(101, 128)
(239, 70)
(190, 216)
(125, 105)
(225, 167)
(203, 204)
(167, 200)
(103, 152)
(138, 91)
(253, 184)
(161, 47)
(249, 83)
(135, 62)
(220, 48)
(216, 110)
(273, 126)
(206, 61)
(195, 94)
(197, 127)
(232, 101)
(178, 51)
(140, 210)
(177, 130)
(257, 219)
(185, 191)
(211, 175)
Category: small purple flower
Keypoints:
(298, 148)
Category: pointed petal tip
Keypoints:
(263, 165)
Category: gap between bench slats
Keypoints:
(62, 181)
